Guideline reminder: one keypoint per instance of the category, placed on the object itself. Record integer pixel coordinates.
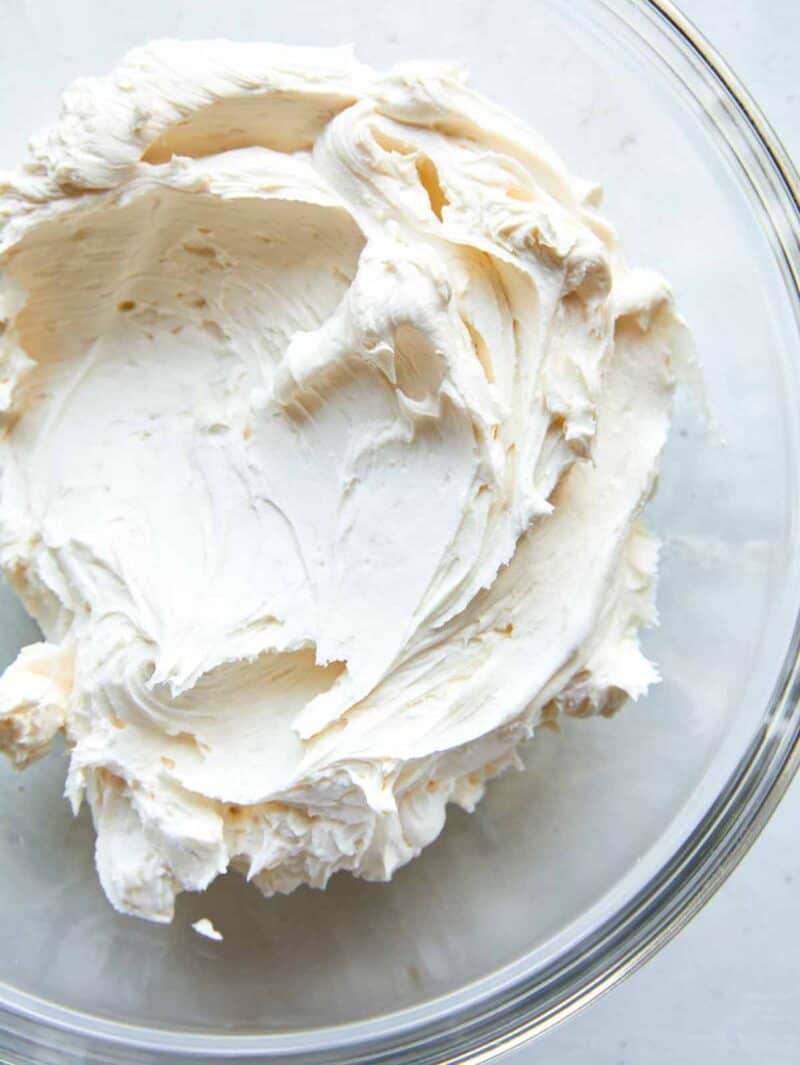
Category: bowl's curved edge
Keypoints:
(729, 81)
(509, 1019)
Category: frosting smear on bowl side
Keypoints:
(328, 412)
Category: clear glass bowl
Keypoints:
(574, 872)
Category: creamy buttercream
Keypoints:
(329, 409)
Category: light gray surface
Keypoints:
(728, 988)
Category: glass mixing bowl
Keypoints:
(573, 872)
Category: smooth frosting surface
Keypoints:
(329, 409)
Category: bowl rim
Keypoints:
(507, 1018)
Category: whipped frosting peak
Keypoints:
(328, 410)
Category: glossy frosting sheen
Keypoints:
(329, 409)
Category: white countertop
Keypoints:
(727, 989)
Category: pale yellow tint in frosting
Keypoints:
(329, 408)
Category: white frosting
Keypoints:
(205, 928)
(328, 413)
